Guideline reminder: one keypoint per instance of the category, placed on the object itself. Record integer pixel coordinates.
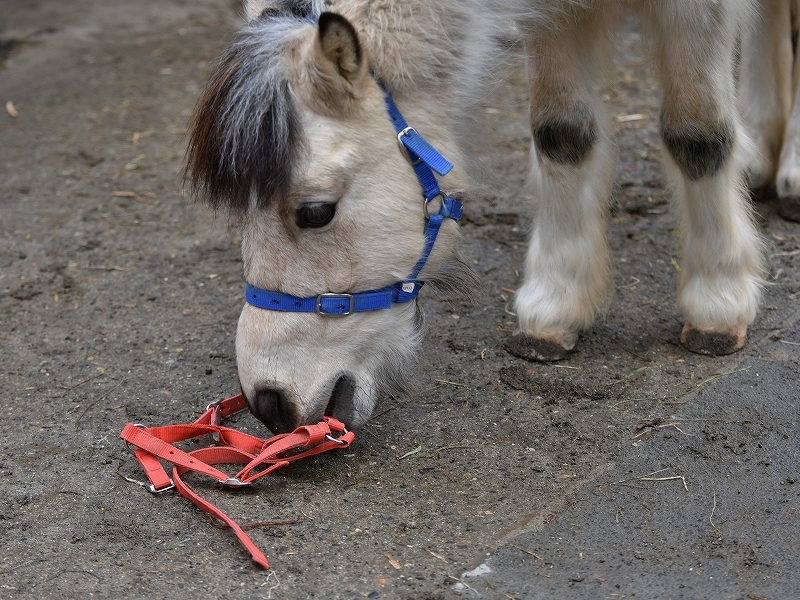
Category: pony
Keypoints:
(769, 102)
(298, 129)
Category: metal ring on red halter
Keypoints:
(334, 440)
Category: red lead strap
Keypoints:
(260, 456)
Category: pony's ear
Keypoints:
(255, 9)
(338, 48)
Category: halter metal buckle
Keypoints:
(234, 482)
(348, 297)
(407, 133)
(152, 489)
(216, 418)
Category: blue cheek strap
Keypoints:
(424, 159)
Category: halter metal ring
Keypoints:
(440, 194)
(335, 440)
(130, 446)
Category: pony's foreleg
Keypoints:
(787, 181)
(568, 270)
(721, 267)
(764, 96)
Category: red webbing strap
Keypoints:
(214, 455)
(278, 447)
(156, 443)
(216, 411)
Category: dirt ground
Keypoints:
(632, 469)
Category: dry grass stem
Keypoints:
(629, 118)
(133, 196)
(393, 561)
(716, 376)
(711, 516)
(464, 583)
(411, 452)
(78, 420)
(84, 382)
(792, 253)
(681, 477)
(439, 556)
(648, 477)
(445, 382)
(533, 554)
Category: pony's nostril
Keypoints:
(273, 408)
(340, 404)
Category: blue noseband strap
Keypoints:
(334, 305)
(425, 159)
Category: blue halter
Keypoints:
(425, 159)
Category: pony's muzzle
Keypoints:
(274, 405)
(340, 404)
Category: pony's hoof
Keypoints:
(789, 208)
(548, 349)
(713, 343)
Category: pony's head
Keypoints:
(293, 133)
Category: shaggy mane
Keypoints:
(245, 133)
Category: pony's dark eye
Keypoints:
(312, 216)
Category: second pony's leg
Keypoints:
(721, 268)
(568, 271)
(765, 94)
(787, 181)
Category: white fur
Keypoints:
(377, 235)
(568, 275)
(769, 98)
(765, 94)
(568, 271)
(432, 56)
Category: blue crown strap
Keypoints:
(426, 178)
(425, 159)
(432, 226)
(416, 145)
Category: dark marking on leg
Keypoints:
(700, 149)
(565, 138)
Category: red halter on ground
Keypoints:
(154, 443)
